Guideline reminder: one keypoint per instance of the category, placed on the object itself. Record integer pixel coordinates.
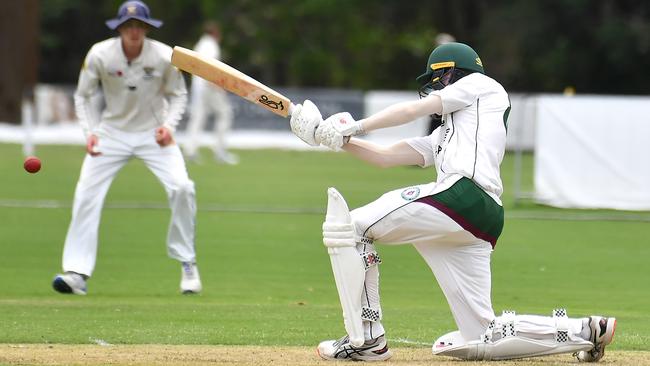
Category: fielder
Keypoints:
(208, 99)
(145, 97)
(454, 222)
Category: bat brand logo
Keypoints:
(270, 103)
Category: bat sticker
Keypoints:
(271, 104)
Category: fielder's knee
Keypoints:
(183, 188)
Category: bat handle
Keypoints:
(291, 106)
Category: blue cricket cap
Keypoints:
(133, 10)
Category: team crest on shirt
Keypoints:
(148, 72)
(115, 73)
(411, 193)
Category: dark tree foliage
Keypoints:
(596, 46)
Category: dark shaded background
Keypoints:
(596, 46)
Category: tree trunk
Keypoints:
(19, 45)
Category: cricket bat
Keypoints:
(232, 80)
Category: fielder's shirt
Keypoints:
(140, 95)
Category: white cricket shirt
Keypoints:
(472, 138)
(146, 93)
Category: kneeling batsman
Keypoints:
(352, 256)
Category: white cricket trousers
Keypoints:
(459, 260)
(97, 174)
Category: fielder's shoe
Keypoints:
(602, 333)
(70, 283)
(373, 350)
(226, 158)
(194, 158)
(190, 279)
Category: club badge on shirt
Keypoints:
(411, 193)
(148, 72)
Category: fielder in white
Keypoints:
(454, 223)
(145, 97)
(209, 100)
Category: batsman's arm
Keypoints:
(401, 113)
(397, 154)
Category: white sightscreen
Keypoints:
(593, 152)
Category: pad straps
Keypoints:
(369, 255)
(505, 325)
(561, 325)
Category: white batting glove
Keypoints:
(305, 118)
(334, 130)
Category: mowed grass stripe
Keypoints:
(215, 207)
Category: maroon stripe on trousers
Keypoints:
(460, 220)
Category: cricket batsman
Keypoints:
(454, 222)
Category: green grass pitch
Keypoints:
(266, 275)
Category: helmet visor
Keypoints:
(439, 80)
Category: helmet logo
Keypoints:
(479, 62)
(131, 10)
(442, 65)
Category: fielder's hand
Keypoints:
(164, 137)
(335, 131)
(305, 119)
(91, 145)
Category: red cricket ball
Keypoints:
(32, 164)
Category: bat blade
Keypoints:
(231, 79)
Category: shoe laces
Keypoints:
(342, 341)
(188, 269)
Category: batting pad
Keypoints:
(349, 271)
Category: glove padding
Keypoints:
(305, 119)
(332, 131)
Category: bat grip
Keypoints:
(291, 105)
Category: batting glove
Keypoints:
(305, 118)
(335, 131)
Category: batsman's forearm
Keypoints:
(401, 113)
(397, 154)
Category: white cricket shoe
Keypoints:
(70, 283)
(372, 350)
(226, 158)
(194, 158)
(190, 279)
(602, 334)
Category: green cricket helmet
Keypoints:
(447, 64)
(451, 55)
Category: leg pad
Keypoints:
(349, 271)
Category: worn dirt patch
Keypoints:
(64, 354)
